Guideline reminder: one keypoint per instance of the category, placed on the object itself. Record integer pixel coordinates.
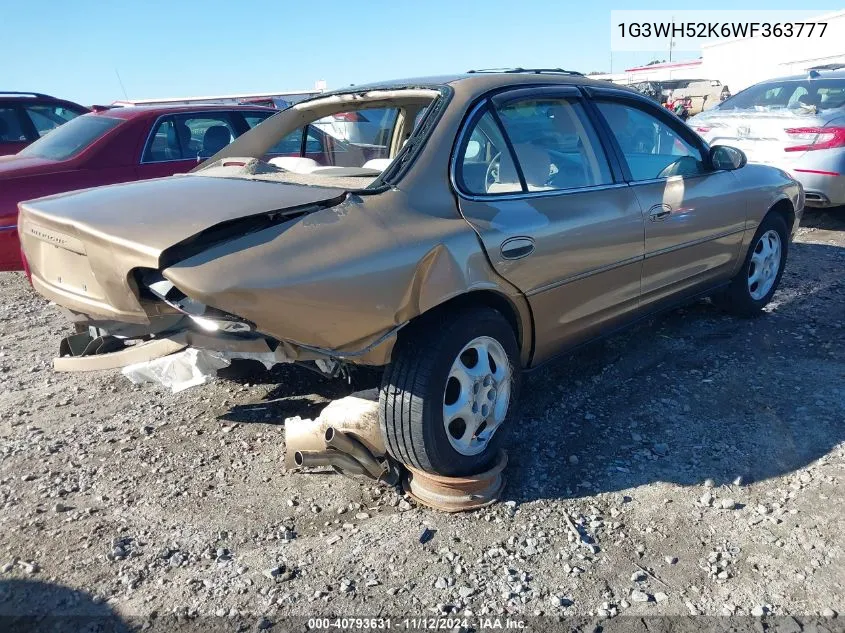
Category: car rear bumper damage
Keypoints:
(86, 352)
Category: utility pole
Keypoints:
(671, 39)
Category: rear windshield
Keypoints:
(71, 138)
(809, 95)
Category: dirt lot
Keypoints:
(702, 456)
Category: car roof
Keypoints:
(15, 96)
(482, 81)
(134, 112)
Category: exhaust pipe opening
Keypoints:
(344, 443)
(345, 464)
(355, 417)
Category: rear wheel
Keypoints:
(756, 282)
(451, 386)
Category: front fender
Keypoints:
(764, 187)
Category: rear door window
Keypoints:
(555, 144)
(551, 145)
(485, 163)
(189, 136)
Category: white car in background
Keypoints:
(795, 123)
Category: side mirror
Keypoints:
(726, 158)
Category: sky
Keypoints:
(211, 47)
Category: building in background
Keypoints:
(275, 99)
(665, 71)
(739, 63)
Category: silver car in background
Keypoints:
(795, 123)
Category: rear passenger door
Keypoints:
(557, 221)
(695, 215)
(179, 142)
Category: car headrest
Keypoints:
(535, 162)
(215, 138)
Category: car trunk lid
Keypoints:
(81, 247)
(761, 135)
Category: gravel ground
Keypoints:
(700, 456)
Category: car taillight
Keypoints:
(701, 129)
(815, 138)
(350, 117)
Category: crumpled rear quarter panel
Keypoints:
(342, 277)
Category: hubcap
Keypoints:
(765, 265)
(477, 395)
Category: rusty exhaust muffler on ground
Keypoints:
(346, 437)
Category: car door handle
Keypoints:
(659, 212)
(517, 247)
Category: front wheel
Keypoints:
(755, 283)
(451, 386)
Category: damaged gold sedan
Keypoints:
(456, 230)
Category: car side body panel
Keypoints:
(343, 278)
(764, 187)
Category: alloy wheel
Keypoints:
(764, 265)
(477, 395)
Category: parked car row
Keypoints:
(113, 145)
(27, 116)
(477, 226)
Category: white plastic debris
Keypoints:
(178, 371)
(268, 359)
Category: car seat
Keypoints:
(215, 138)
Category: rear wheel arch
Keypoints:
(520, 321)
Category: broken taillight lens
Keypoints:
(815, 138)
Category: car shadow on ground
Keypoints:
(693, 395)
(297, 391)
(30, 605)
(832, 219)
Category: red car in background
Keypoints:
(27, 116)
(114, 145)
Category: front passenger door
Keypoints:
(694, 215)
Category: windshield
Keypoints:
(798, 95)
(71, 138)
